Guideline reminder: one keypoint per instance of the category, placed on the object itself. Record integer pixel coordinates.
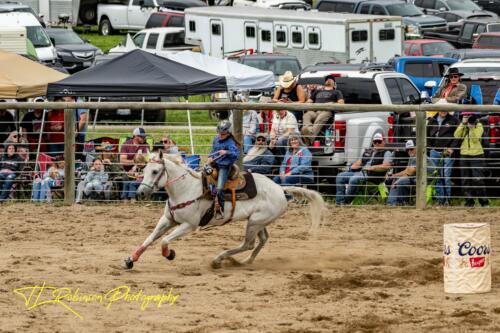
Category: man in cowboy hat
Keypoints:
(453, 91)
(289, 91)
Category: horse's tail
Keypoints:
(317, 205)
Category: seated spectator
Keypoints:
(284, 124)
(53, 178)
(259, 158)
(289, 91)
(315, 120)
(373, 165)
(402, 182)
(95, 183)
(265, 121)
(113, 168)
(7, 124)
(168, 146)
(10, 166)
(132, 147)
(135, 176)
(296, 166)
(31, 126)
(249, 128)
(453, 91)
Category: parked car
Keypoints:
(74, 53)
(491, 5)
(426, 47)
(281, 4)
(276, 63)
(414, 20)
(487, 40)
(464, 54)
(435, 6)
(464, 38)
(14, 6)
(168, 18)
(456, 18)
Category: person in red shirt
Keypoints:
(54, 127)
(453, 91)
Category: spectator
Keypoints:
(53, 178)
(31, 126)
(296, 166)
(289, 91)
(7, 124)
(112, 167)
(402, 182)
(441, 144)
(284, 124)
(265, 120)
(135, 176)
(10, 166)
(259, 158)
(168, 146)
(95, 183)
(453, 91)
(132, 147)
(471, 131)
(373, 165)
(54, 127)
(249, 128)
(13, 137)
(315, 120)
(82, 116)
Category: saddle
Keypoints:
(239, 186)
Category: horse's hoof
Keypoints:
(128, 263)
(215, 264)
(171, 255)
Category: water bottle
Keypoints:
(328, 137)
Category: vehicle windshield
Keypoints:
(493, 27)
(277, 66)
(463, 5)
(37, 36)
(404, 9)
(470, 70)
(66, 37)
(25, 10)
(436, 48)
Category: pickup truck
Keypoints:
(132, 16)
(353, 131)
(465, 36)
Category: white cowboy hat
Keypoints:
(287, 80)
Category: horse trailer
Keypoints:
(311, 36)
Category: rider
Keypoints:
(224, 153)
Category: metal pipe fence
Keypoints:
(422, 160)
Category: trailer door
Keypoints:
(251, 36)
(358, 39)
(265, 37)
(386, 40)
(216, 39)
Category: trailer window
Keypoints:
(386, 34)
(152, 40)
(281, 38)
(250, 32)
(359, 36)
(216, 30)
(192, 26)
(265, 35)
(313, 39)
(297, 36)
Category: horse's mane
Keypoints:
(176, 159)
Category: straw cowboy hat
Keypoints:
(287, 80)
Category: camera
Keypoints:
(472, 120)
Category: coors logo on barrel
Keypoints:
(476, 253)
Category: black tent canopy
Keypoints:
(138, 73)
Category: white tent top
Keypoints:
(238, 76)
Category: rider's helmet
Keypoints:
(223, 126)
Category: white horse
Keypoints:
(186, 206)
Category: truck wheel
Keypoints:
(88, 14)
(105, 27)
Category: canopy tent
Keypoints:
(24, 78)
(238, 76)
(138, 73)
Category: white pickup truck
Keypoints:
(131, 16)
(352, 132)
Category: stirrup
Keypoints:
(219, 213)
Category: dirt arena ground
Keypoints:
(370, 270)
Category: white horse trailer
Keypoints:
(309, 35)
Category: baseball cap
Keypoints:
(409, 144)
(328, 77)
(378, 136)
(139, 131)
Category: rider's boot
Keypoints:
(219, 207)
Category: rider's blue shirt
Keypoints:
(232, 155)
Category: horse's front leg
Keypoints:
(164, 224)
(180, 231)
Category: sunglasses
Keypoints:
(165, 141)
(261, 139)
(454, 76)
(377, 142)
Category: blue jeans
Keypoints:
(443, 183)
(41, 189)
(56, 149)
(293, 180)
(247, 143)
(281, 146)
(129, 189)
(347, 185)
(400, 193)
(221, 182)
(6, 181)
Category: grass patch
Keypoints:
(103, 42)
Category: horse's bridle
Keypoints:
(164, 170)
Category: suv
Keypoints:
(463, 6)
(276, 63)
(165, 19)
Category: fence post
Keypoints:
(421, 182)
(238, 132)
(69, 156)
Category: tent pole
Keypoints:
(142, 112)
(39, 141)
(190, 129)
(95, 116)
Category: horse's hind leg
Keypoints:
(248, 243)
(263, 237)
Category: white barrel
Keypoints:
(466, 258)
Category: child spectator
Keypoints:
(135, 176)
(95, 182)
(10, 165)
(53, 178)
